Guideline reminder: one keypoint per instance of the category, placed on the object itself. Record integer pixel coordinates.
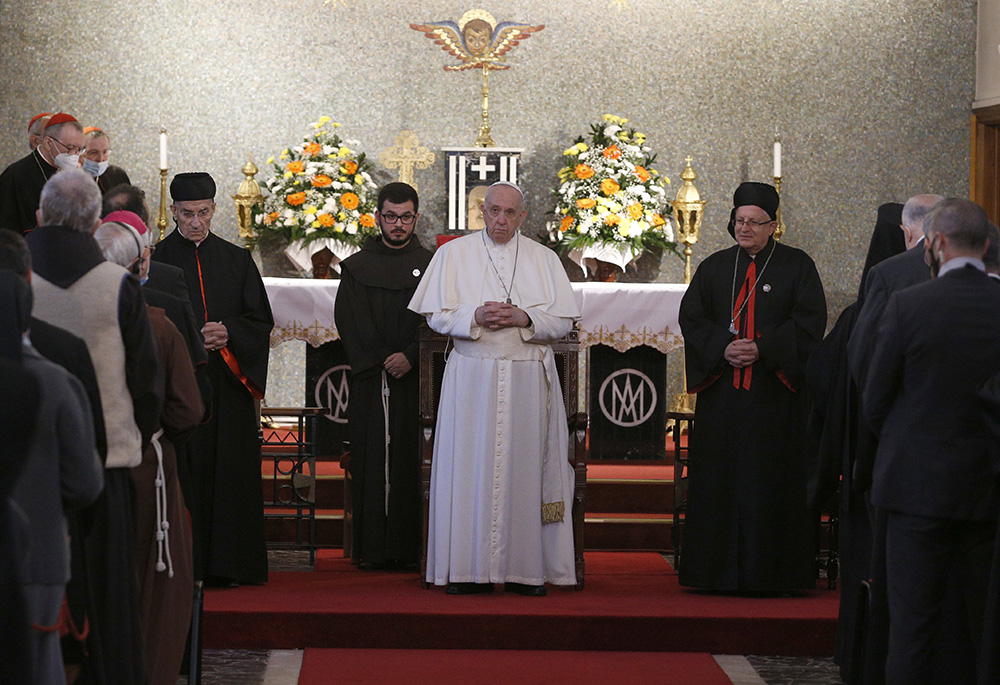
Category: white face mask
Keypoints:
(64, 161)
(93, 168)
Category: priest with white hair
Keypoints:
(501, 485)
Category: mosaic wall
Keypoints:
(871, 98)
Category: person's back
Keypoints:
(948, 328)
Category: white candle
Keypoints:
(777, 158)
(163, 150)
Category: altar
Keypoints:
(626, 332)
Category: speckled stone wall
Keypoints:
(870, 97)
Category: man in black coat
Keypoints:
(932, 477)
(231, 306)
(380, 338)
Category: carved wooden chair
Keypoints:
(432, 362)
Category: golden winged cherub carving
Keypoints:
(479, 42)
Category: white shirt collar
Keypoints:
(958, 263)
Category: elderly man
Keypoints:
(750, 318)
(231, 306)
(76, 289)
(933, 474)
(380, 338)
(883, 280)
(96, 153)
(165, 569)
(501, 487)
(35, 128)
(21, 182)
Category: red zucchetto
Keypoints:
(37, 117)
(60, 118)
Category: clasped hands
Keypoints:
(216, 335)
(741, 353)
(397, 365)
(497, 315)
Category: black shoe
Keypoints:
(468, 588)
(526, 590)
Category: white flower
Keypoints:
(352, 228)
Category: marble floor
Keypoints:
(281, 667)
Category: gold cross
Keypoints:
(619, 4)
(405, 155)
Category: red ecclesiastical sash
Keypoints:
(227, 354)
(741, 377)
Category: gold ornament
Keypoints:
(479, 43)
(406, 154)
(247, 197)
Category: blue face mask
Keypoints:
(93, 168)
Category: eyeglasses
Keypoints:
(749, 222)
(405, 219)
(494, 212)
(70, 149)
(187, 214)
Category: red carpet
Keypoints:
(631, 602)
(481, 667)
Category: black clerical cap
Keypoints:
(196, 185)
(760, 195)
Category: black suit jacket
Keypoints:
(936, 344)
(885, 278)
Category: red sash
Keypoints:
(227, 354)
(741, 377)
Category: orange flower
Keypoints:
(296, 167)
(270, 218)
(641, 172)
(658, 220)
(312, 149)
(612, 152)
(349, 200)
(566, 222)
(609, 187)
(367, 220)
(612, 220)
(321, 181)
(295, 199)
(325, 220)
(350, 166)
(586, 202)
(635, 211)
(583, 171)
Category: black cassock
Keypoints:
(221, 471)
(373, 322)
(748, 527)
(20, 189)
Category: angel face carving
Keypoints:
(476, 35)
(477, 40)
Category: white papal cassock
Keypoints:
(501, 443)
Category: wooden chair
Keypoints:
(432, 362)
(681, 423)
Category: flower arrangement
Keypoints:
(610, 194)
(321, 189)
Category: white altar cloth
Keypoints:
(620, 315)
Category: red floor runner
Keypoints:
(482, 667)
(631, 602)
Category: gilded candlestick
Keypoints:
(780, 230)
(161, 216)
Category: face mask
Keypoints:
(93, 168)
(64, 161)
